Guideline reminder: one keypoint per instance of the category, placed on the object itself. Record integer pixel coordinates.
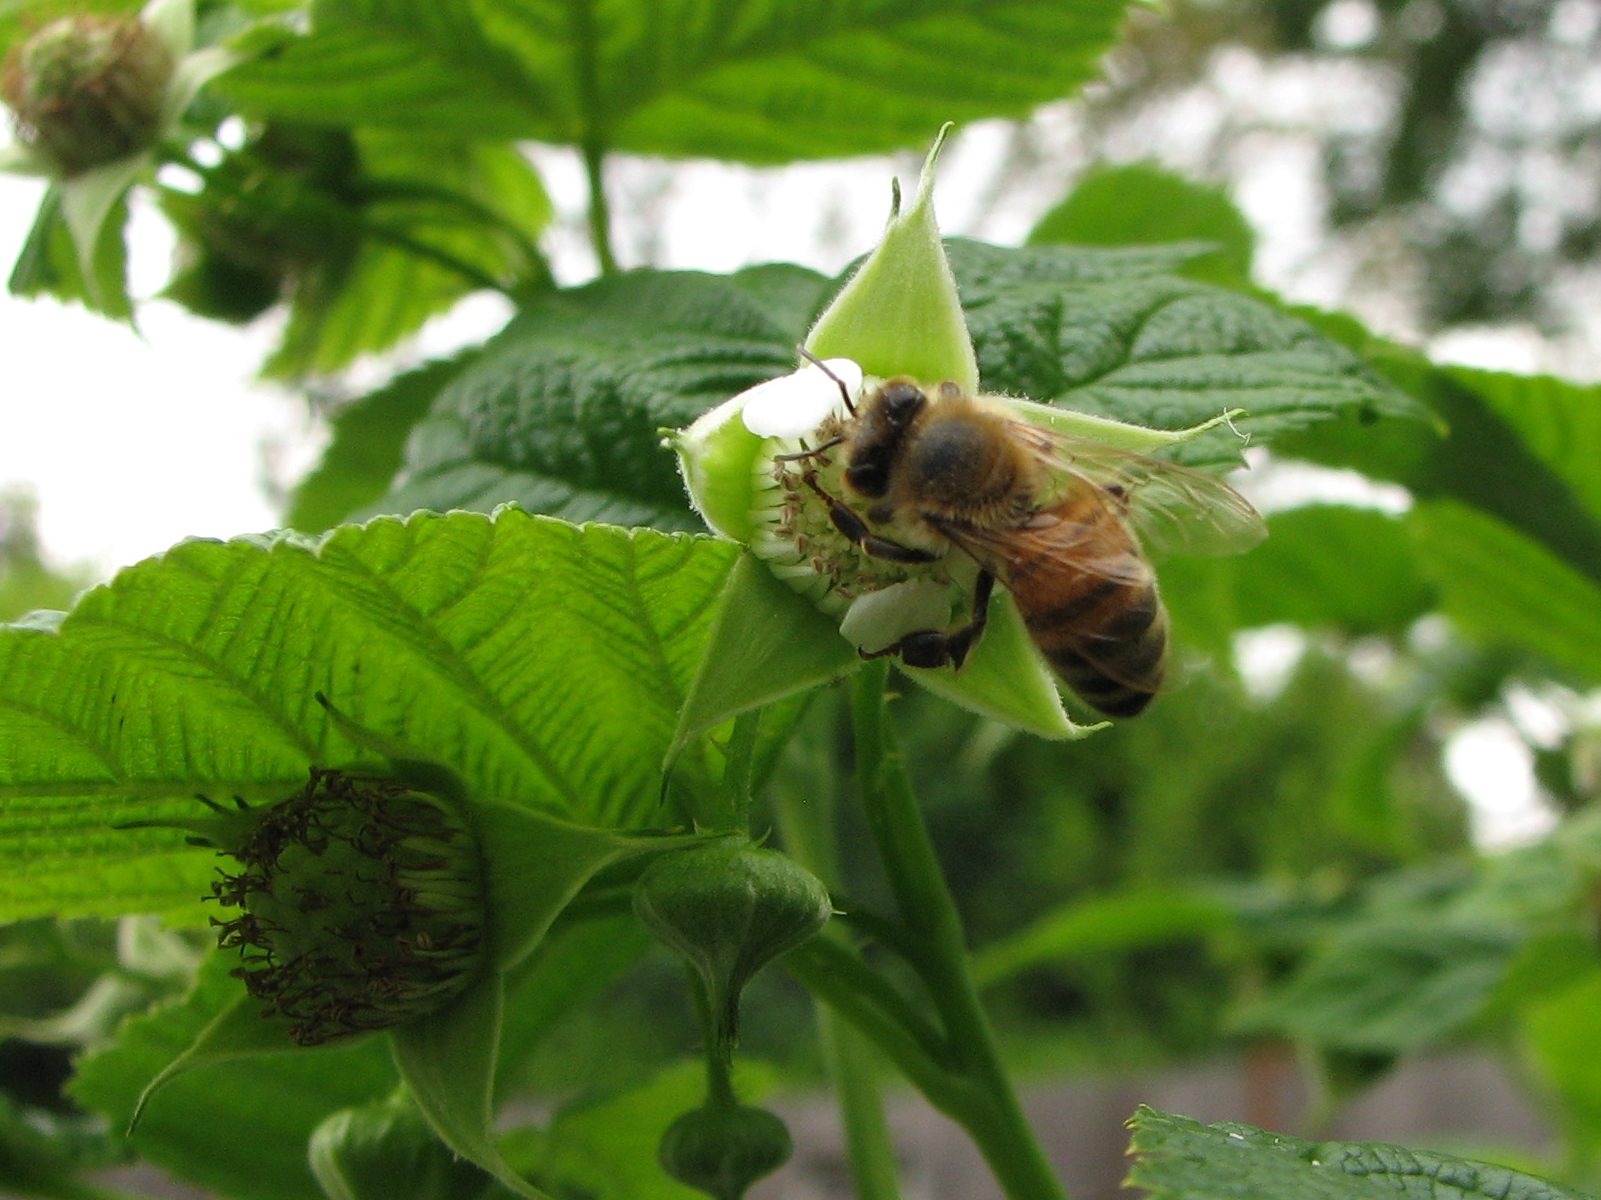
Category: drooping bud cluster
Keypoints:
(361, 904)
(88, 90)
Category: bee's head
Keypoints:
(880, 428)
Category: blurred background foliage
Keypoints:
(1363, 823)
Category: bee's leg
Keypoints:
(939, 647)
(854, 529)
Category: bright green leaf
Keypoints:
(1141, 203)
(767, 642)
(1517, 447)
(49, 263)
(1302, 575)
(1181, 1159)
(752, 80)
(1111, 924)
(211, 1125)
(546, 664)
(1507, 589)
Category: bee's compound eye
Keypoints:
(867, 477)
(901, 401)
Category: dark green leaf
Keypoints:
(1142, 203)
(438, 219)
(546, 664)
(562, 411)
(368, 442)
(1104, 332)
(755, 80)
(1181, 1159)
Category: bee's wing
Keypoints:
(1174, 509)
(1067, 534)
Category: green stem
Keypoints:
(988, 1107)
(854, 1066)
(808, 833)
(599, 209)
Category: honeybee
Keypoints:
(1062, 522)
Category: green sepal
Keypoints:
(715, 458)
(767, 642)
(899, 314)
(1005, 678)
(237, 1030)
(447, 1061)
(1120, 435)
(536, 863)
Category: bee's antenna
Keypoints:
(844, 392)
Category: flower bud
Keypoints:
(729, 909)
(361, 904)
(88, 90)
(723, 1149)
(383, 1150)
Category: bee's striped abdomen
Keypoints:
(1104, 633)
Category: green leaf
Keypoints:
(1112, 924)
(1507, 589)
(365, 451)
(1181, 1159)
(567, 972)
(49, 263)
(1302, 575)
(561, 412)
(237, 1127)
(1142, 203)
(1391, 987)
(1562, 1035)
(751, 80)
(439, 219)
(240, 1029)
(1517, 447)
(1106, 332)
(546, 664)
(448, 1063)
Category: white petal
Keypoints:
(793, 405)
(879, 619)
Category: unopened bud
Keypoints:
(88, 90)
(723, 1149)
(729, 909)
(383, 1150)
